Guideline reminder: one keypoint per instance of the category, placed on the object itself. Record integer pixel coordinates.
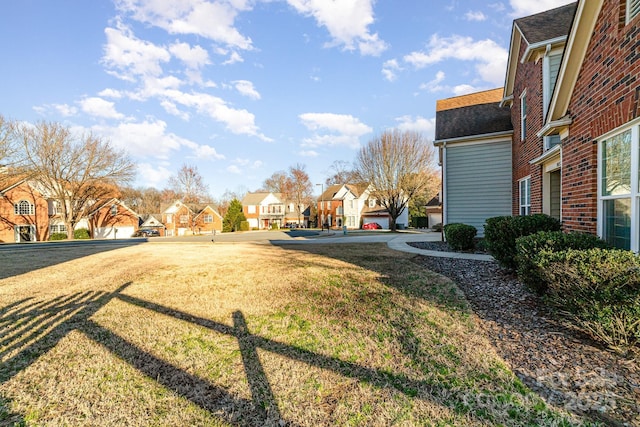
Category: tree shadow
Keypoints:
(20, 258)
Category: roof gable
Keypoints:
(547, 25)
(481, 119)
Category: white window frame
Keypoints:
(523, 115)
(251, 209)
(184, 219)
(527, 200)
(24, 207)
(169, 218)
(208, 218)
(634, 194)
(633, 9)
(372, 203)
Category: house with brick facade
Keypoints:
(24, 211)
(182, 219)
(112, 219)
(264, 210)
(573, 91)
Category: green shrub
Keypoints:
(81, 233)
(600, 289)
(460, 236)
(58, 236)
(244, 226)
(501, 232)
(530, 249)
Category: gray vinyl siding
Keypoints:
(478, 183)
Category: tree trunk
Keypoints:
(70, 227)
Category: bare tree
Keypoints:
(76, 171)
(189, 185)
(398, 165)
(144, 201)
(299, 188)
(341, 172)
(277, 183)
(222, 204)
(7, 142)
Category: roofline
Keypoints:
(575, 51)
(540, 46)
(439, 142)
(550, 127)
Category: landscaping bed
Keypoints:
(565, 367)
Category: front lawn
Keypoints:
(246, 334)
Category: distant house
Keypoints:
(24, 211)
(433, 211)
(473, 135)
(112, 219)
(151, 221)
(264, 210)
(181, 219)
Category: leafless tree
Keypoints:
(7, 143)
(398, 165)
(341, 172)
(276, 183)
(144, 201)
(75, 171)
(222, 203)
(189, 185)
(299, 188)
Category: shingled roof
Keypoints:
(547, 25)
(478, 115)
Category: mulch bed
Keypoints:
(558, 362)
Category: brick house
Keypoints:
(595, 110)
(264, 210)
(24, 211)
(181, 219)
(112, 219)
(572, 86)
(537, 45)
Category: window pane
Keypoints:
(617, 223)
(616, 165)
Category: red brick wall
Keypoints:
(8, 219)
(605, 98)
(528, 77)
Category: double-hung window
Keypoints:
(525, 196)
(618, 188)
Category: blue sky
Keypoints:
(244, 88)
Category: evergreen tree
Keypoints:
(233, 217)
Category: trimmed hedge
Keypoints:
(530, 249)
(460, 236)
(81, 233)
(600, 289)
(58, 236)
(501, 232)
(244, 226)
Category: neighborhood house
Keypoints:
(572, 93)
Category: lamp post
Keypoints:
(321, 203)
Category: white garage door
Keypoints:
(109, 232)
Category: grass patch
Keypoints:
(227, 335)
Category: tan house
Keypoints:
(182, 219)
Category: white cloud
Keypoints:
(434, 85)
(128, 57)
(237, 121)
(339, 129)
(64, 110)
(390, 69)
(489, 57)
(206, 152)
(417, 124)
(234, 169)
(245, 87)
(465, 89)
(213, 20)
(347, 21)
(527, 7)
(144, 139)
(475, 16)
(193, 57)
(150, 176)
(99, 107)
(110, 93)
(308, 153)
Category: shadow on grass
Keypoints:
(30, 328)
(20, 258)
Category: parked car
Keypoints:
(371, 226)
(146, 232)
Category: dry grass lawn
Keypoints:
(241, 334)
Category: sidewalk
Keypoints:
(400, 243)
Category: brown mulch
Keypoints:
(555, 360)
